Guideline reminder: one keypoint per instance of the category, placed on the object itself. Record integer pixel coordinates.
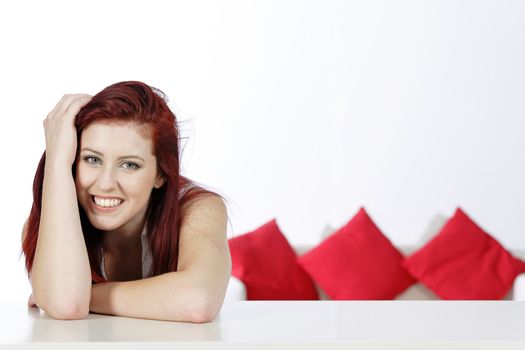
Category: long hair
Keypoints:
(131, 101)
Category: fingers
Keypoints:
(59, 126)
(76, 104)
(57, 106)
(66, 101)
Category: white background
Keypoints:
(299, 110)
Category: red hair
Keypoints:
(131, 101)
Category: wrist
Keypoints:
(57, 164)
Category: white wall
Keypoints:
(432, 114)
(299, 110)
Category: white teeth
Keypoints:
(108, 202)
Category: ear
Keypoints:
(159, 182)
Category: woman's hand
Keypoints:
(61, 134)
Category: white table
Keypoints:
(292, 324)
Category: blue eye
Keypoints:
(135, 166)
(89, 157)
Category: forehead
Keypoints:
(117, 138)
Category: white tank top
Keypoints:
(147, 259)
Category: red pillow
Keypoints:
(464, 262)
(266, 263)
(357, 262)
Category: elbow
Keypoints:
(202, 315)
(67, 310)
(203, 310)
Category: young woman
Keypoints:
(114, 228)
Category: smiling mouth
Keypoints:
(107, 204)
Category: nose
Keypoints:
(106, 180)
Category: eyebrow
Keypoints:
(123, 157)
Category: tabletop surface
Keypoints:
(287, 321)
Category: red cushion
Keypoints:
(464, 262)
(357, 262)
(266, 263)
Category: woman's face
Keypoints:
(115, 174)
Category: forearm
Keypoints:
(173, 296)
(61, 274)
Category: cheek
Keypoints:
(138, 186)
(84, 177)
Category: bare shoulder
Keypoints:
(203, 211)
(203, 237)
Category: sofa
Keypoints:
(237, 290)
(456, 259)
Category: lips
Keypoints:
(106, 209)
(105, 197)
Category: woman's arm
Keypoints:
(61, 275)
(196, 291)
(31, 300)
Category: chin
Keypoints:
(104, 223)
